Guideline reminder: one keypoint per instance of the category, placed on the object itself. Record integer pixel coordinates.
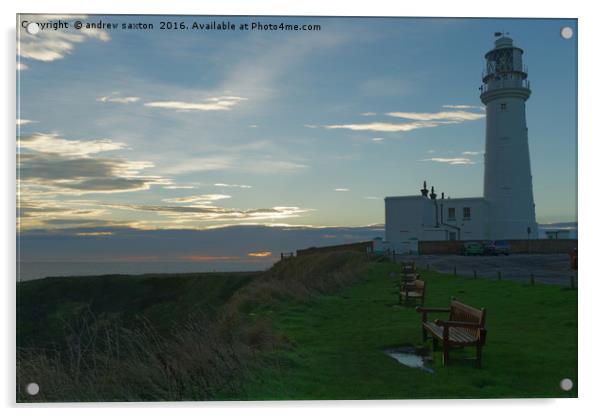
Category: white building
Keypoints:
(506, 210)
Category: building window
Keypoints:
(451, 214)
(503, 106)
(466, 213)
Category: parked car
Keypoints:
(497, 247)
(473, 248)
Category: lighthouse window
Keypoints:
(451, 213)
(466, 213)
(503, 106)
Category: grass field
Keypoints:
(311, 327)
(339, 342)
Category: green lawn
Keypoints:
(338, 341)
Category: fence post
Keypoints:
(474, 274)
(455, 273)
(532, 279)
(499, 275)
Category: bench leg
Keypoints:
(445, 353)
(479, 351)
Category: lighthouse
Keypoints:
(508, 186)
(506, 210)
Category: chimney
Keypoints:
(424, 191)
(433, 194)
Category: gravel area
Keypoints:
(545, 268)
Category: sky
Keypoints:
(147, 132)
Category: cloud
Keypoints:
(214, 213)
(341, 189)
(94, 233)
(179, 187)
(209, 104)
(54, 144)
(378, 139)
(463, 107)
(21, 66)
(384, 127)
(63, 166)
(369, 113)
(226, 185)
(114, 98)
(83, 175)
(260, 254)
(471, 153)
(373, 198)
(450, 161)
(22, 122)
(449, 116)
(203, 258)
(50, 45)
(419, 121)
(241, 162)
(198, 199)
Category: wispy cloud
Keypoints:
(450, 161)
(52, 143)
(234, 162)
(373, 198)
(94, 233)
(368, 113)
(471, 153)
(341, 189)
(232, 185)
(207, 258)
(260, 254)
(50, 45)
(378, 139)
(116, 98)
(463, 107)
(198, 199)
(22, 122)
(179, 187)
(214, 213)
(419, 121)
(384, 127)
(456, 116)
(209, 104)
(21, 66)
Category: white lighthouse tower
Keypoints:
(508, 187)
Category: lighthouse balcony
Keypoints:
(498, 84)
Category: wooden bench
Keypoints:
(409, 267)
(412, 290)
(465, 327)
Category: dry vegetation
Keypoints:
(200, 357)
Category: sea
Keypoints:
(39, 270)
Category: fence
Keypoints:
(542, 246)
(363, 247)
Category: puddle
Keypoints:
(410, 357)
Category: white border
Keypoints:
(589, 209)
